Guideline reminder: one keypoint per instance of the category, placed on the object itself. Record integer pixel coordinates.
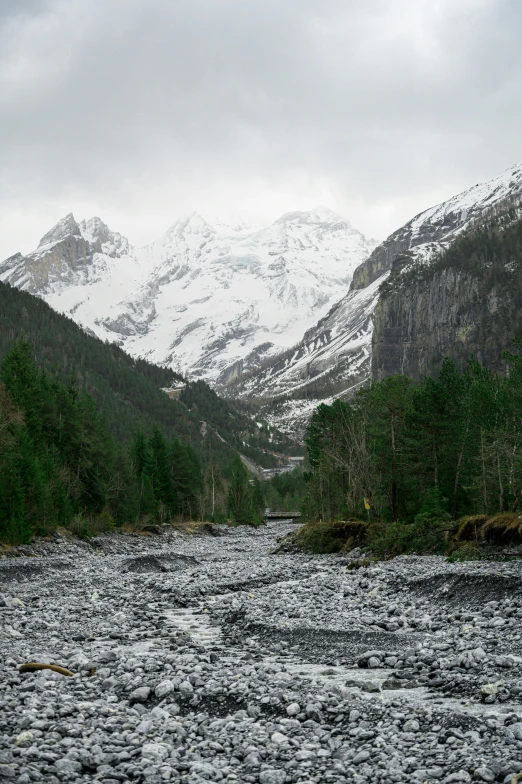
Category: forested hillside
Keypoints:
(447, 447)
(60, 465)
(128, 391)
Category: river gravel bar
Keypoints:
(209, 658)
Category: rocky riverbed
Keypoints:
(211, 659)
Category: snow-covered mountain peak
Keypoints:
(462, 207)
(102, 239)
(190, 223)
(319, 216)
(190, 229)
(95, 229)
(65, 227)
(210, 295)
(235, 222)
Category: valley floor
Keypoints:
(210, 659)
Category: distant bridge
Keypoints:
(283, 516)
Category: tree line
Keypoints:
(452, 445)
(60, 465)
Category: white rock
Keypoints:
(24, 737)
(186, 687)
(156, 752)
(272, 776)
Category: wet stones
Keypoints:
(371, 659)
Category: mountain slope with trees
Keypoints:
(129, 391)
(60, 465)
(334, 358)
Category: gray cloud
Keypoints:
(141, 109)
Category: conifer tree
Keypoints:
(240, 507)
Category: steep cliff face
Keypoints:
(61, 256)
(468, 302)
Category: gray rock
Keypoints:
(460, 777)
(156, 752)
(109, 683)
(483, 774)
(141, 694)
(164, 688)
(186, 687)
(67, 767)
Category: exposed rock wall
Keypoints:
(60, 263)
(381, 260)
(453, 313)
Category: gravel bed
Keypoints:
(210, 659)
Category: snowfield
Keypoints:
(205, 299)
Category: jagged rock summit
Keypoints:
(78, 268)
(211, 297)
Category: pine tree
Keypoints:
(142, 465)
(161, 471)
(258, 499)
(240, 507)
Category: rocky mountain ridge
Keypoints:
(335, 356)
(256, 309)
(209, 299)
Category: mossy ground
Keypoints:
(470, 537)
(334, 537)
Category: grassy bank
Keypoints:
(470, 536)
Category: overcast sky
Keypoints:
(140, 110)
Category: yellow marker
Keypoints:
(366, 504)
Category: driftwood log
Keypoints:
(34, 666)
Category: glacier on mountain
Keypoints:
(211, 300)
